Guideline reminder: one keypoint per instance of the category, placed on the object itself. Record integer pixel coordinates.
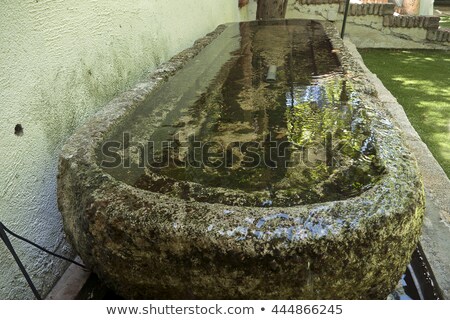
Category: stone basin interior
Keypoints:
(264, 117)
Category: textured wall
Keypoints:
(60, 61)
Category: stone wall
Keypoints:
(441, 35)
(411, 7)
(377, 9)
(426, 22)
(374, 25)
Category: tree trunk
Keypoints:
(243, 3)
(271, 9)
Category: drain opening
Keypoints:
(18, 130)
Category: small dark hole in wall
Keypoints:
(18, 130)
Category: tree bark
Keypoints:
(271, 9)
(243, 3)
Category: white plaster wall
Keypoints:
(60, 61)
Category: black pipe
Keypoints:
(347, 5)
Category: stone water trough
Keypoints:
(254, 165)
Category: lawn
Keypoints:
(420, 80)
(444, 22)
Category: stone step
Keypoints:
(382, 9)
(377, 9)
(400, 21)
(439, 35)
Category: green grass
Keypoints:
(444, 22)
(420, 80)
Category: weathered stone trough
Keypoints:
(341, 224)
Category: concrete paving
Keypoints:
(70, 284)
(435, 239)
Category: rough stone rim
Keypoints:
(375, 205)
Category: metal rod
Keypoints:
(347, 5)
(9, 246)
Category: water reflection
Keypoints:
(299, 138)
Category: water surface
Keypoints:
(299, 137)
